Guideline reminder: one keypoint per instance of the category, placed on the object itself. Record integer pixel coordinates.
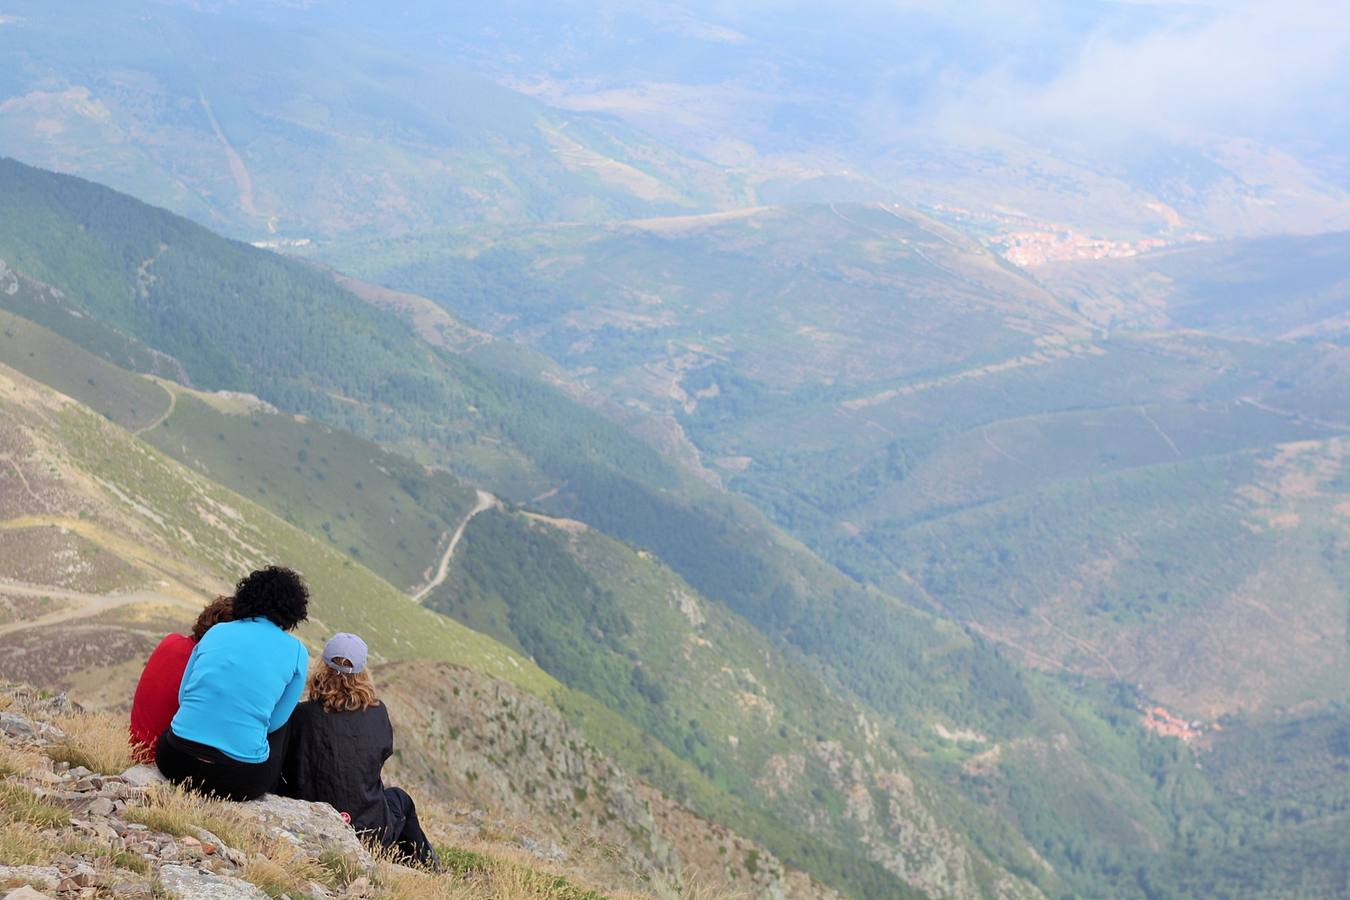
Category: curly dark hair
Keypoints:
(218, 610)
(274, 593)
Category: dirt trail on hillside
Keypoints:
(164, 416)
(485, 502)
(1044, 356)
(1295, 417)
(238, 171)
(83, 605)
(1158, 428)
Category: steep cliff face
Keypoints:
(501, 763)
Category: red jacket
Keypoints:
(156, 698)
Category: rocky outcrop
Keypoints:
(130, 835)
(493, 770)
(474, 743)
(188, 883)
(314, 829)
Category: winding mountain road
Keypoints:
(82, 606)
(485, 502)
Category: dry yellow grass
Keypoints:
(15, 762)
(481, 871)
(590, 859)
(276, 866)
(281, 870)
(505, 882)
(699, 891)
(392, 882)
(97, 741)
(20, 806)
(172, 810)
(23, 845)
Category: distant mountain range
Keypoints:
(290, 122)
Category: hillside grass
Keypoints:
(97, 740)
(32, 832)
(202, 521)
(66, 366)
(372, 505)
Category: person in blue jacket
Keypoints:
(242, 681)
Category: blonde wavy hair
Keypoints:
(339, 692)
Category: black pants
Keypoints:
(404, 833)
(206, 770)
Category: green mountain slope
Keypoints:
(473, 419)
(238, 318)
(213, 432)
(850, 732)
(149, 539)
(1162, 509)
(162, 519)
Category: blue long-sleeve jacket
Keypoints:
(242, 682)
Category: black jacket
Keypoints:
(336, 757)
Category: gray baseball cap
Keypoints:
(345, 646)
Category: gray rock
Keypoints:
(541, 850)
(143, 776)
(101, 830)
(26, 893)
(43, 876)
(189, 884)
(133, 887)
(100, 806)
(315, 827)
(212, 845)
(16, 725)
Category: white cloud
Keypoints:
(1244, 66)
(1103, 68)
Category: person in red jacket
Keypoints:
(156, 698)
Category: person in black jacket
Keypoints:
(339, 740)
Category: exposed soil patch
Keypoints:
(51, 656)
(16, 608)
